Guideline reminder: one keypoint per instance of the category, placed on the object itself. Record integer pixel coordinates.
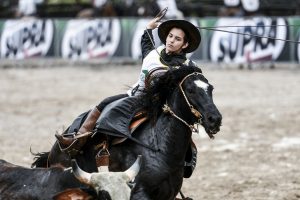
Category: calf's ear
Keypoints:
(73, 194)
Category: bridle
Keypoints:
(193, 110)
(166, 108)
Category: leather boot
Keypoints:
(80, 137)
(90, 122)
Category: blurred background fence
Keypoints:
(85, 29)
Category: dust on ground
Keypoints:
(255, 156)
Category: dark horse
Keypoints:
(174, 102)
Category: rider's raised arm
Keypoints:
(146, 42)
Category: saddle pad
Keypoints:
(133, 126)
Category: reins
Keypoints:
(167, 109)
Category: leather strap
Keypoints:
(102, 157)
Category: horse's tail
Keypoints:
(40, 159)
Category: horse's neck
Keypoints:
(175, 134)
(180, 107)
(173, 139)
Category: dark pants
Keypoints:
(75, 126)
(109, 100)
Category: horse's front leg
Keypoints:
(139, 193)
(161, 191)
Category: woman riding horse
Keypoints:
(179, 37)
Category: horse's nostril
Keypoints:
(214, 119)
(211, 119)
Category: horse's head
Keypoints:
(197, 92)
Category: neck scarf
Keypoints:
(172, 59)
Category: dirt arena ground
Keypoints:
(256, 155)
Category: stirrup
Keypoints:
(67, 141)
(72, 145)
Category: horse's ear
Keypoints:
(72, 194)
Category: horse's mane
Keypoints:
(156, 94)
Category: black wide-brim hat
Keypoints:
(191, 32)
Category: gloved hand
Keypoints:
(153, 23)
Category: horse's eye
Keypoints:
(190, 91)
